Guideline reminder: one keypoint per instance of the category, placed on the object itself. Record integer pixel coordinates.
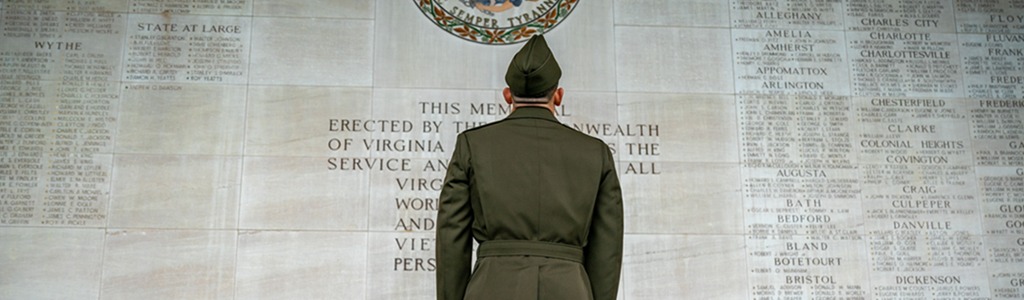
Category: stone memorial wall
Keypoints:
(266, 149)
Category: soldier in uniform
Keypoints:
(542, 199)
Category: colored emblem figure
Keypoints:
(497, 5)
(542, 199)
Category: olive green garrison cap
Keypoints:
(533, 70)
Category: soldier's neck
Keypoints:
(549, 106)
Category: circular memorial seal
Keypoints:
(496, 22)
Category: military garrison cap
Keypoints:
(533, 70)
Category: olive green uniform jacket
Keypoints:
(544, 202)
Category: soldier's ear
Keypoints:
(557, 96)
(507, 92)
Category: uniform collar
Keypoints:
(532, 112)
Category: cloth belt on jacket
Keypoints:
(534, 248)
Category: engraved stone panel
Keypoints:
(301, 193)
(401, 265)
(675, 127)
(1001, 191)
(58, 189)
(900, 15)
(928, 265)
(55, 141)
(796, 130)
(702, 13)
(348, 9)
(698, 266)
(399, 62)
(917, 175)
(182, 119)
(44, 263)
(56, 116)
(992, 16)
(73, 47)
(156, 264)
(649, 59)
(304, 120)
(920, 205)
(813, 201)
(56, 5)
(428, 117)
(787, 14)
(187, 48)
(799, 173)
(148, 191)
(993, 65)
(997, 126)
(904, 64)
(342, 58)
(773, 61)
(1005, 261)
(192, 7)
(405, 193)
(701, 198)
(58, 112)
(588, 112)
(997, 132)
(784, 266)
(301, 265)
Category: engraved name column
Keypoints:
(58, 82)
(993, 65)
(799, 173)
(919, 198)
(991, 36)
(903, 48)
(187, 49)
(182, 118)
(920, 210)
(997, 130)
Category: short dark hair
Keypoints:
(546, 95)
